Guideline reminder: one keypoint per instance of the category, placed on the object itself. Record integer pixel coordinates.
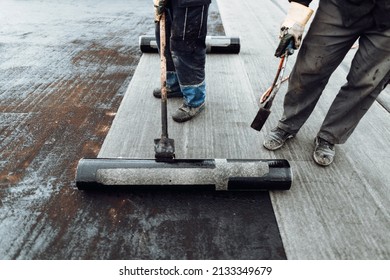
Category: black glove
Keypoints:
(286, 44)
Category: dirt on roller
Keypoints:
(64, 68)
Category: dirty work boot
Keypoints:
(323, 152)
(170, 94)
(276, 139)
(185, 113)
(173, 87)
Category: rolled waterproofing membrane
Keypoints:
(214, 44)
(189, 174)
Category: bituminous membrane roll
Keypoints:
(218, 175)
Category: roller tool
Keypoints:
(164, 147)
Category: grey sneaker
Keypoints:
(323, 152)
(276, 139)
(185, 113)
(170, 94)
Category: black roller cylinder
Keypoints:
(188, 174)
(214, 44)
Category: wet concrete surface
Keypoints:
(64, 68)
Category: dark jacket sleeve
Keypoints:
(303, 2)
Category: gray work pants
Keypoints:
(323, 49)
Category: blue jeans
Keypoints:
(186, 30)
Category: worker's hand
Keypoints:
(293, 26)
(286, 46)
(159, 8)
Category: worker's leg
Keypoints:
(188, 47)
(324, 47)
(368, 75)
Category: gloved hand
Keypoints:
(293, 26)
(159, 8)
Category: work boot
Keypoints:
(170, 94)
(276, 139)
(173, 87)
(185, 113)
(323, 152)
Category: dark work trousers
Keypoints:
(323, 49)
(186, 30)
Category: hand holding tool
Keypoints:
(269, 95)
(294, 25)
